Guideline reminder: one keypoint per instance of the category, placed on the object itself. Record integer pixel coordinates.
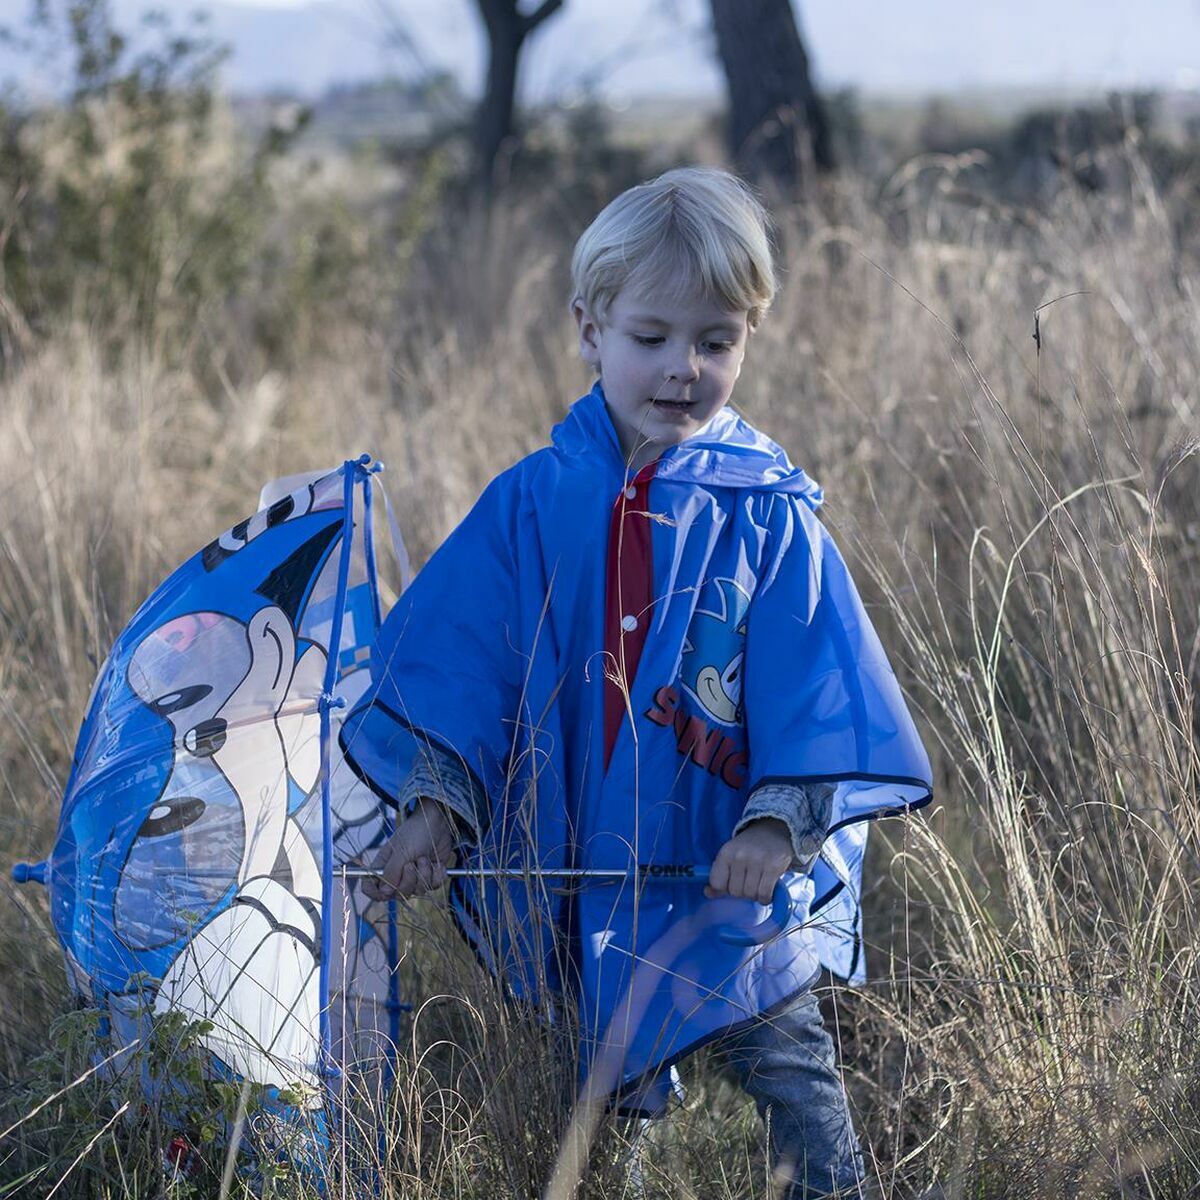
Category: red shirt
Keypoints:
(629, 585)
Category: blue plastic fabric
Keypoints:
(760, 666)
(208, 805)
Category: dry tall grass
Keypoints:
(1028, 516)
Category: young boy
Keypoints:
(641, 651)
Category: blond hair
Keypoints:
(694, 231)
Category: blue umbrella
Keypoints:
(208, 807)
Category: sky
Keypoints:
(630, 48)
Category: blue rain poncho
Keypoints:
(759, 667)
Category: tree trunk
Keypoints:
(776, 118)
(507, 28)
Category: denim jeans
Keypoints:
(788, 1066)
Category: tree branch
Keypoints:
(546, 9)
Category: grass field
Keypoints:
(1023, 516)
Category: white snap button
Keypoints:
(631, 493)
(629, 624)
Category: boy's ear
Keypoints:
(589, 334)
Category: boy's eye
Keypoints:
(649, 339)
(719, 347)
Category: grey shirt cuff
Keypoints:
(443, 777)
(805, 808)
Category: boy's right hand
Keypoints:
(416, 859)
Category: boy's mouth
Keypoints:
(672, 405)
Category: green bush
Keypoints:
(130, 206)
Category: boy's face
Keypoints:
(668, 364)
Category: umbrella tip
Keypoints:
(29, 872)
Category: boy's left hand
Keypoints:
(750, 863)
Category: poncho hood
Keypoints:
(726, 452)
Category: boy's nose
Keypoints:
(684, 370)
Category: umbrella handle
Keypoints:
(736, 935)
(775, 924)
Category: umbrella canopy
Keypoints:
(208, 806)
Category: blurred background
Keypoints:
(890, 78)
(119, 117)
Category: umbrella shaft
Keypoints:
(673, 873)
(682, 873)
